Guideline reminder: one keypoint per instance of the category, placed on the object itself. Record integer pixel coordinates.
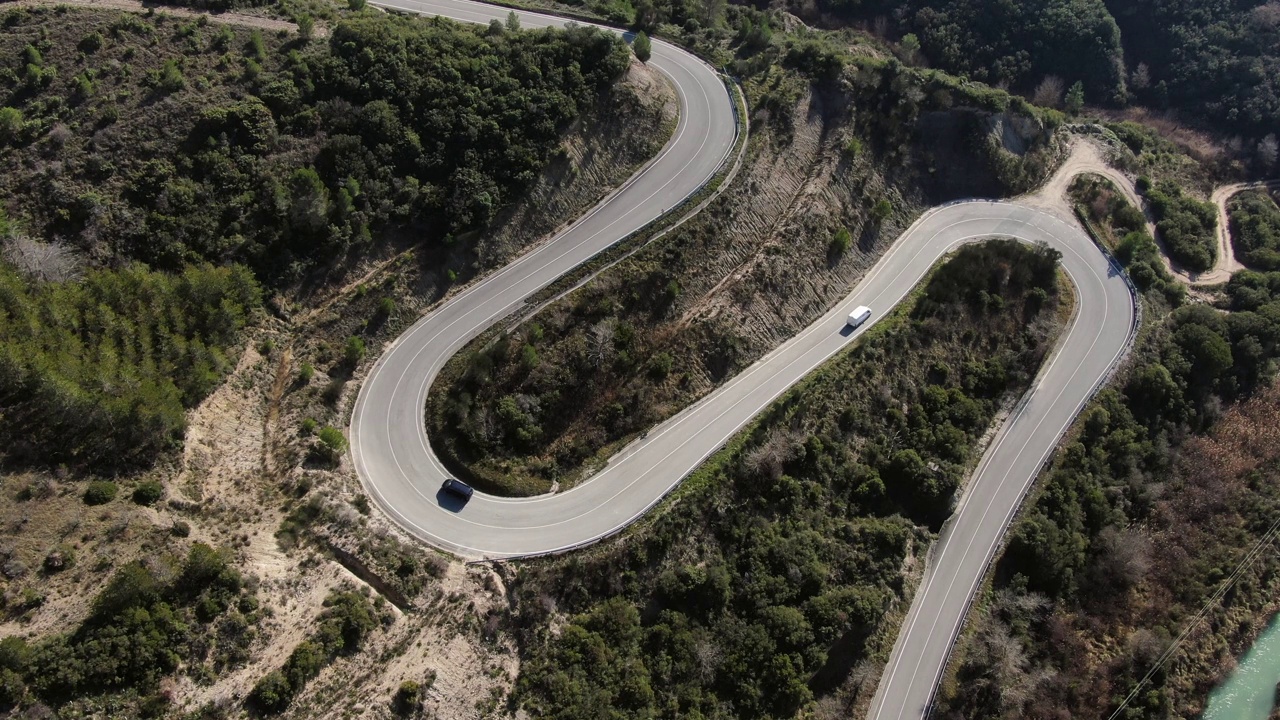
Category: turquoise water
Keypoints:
(1250, 692)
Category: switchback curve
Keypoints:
(393, 457)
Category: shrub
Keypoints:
(881, 211)
(642, 47)
(92, 42)
(11, 123)
(100, 492)
(660, 365)
(332, 442)
(181, 528)
(148, 492)
(333, 392)
(169, 78)
(272, 694)
(306, 372)
(408, 697)
(841, 242)
(354, 351)
(60, 558)
(356, 5)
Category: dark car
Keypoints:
(457, 487)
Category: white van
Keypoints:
(859, 315)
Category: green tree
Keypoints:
(354, 351)
(642, 47)
(513, 22)
(11, 124)
(333, 442)
(881, 211)
(306, 26)
(1075, 98)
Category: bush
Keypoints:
(408, 698)
(332, 392)
(100, 492)
(272, 694)
(61, 558)
(840, 242)
(332, 443)
(642, 47)
(180, 528)
(354, 352)
(148, 492)
(881, 211)
(168, 78)
(306, 372)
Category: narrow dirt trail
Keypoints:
(1219, 198)
(1087, 157)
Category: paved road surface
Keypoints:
(394, 460)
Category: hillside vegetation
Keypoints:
(1149, 506)
(180, 143)
(770, 576)
(1213, 63)
(1255, 229)
(1185, 224)
(284, 156)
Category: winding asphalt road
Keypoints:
(394, 460)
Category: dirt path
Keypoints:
(1219, 198)
(1087, 157)
(229, 18)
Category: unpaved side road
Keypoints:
(1086, 157)
(1220, 197)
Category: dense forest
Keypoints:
(1132, 527)
(761, 585)
(97, 373)
(1214, 62)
